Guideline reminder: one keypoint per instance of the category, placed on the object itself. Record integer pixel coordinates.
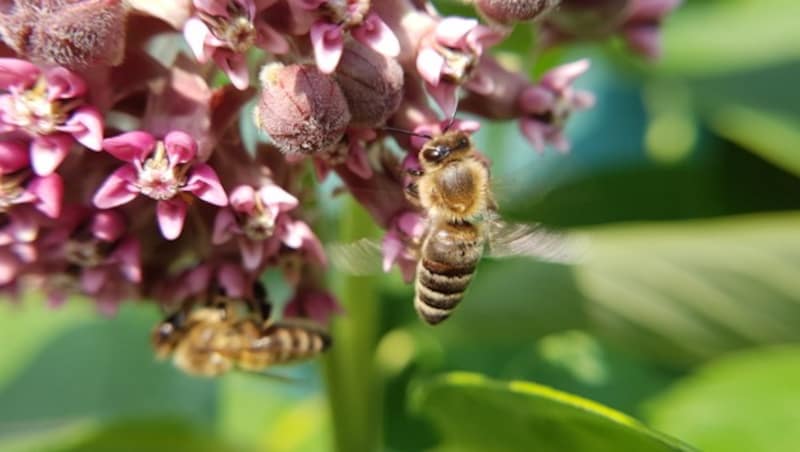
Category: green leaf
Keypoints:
(724, 36)
(691, 290)
(743, 402)
(475, 413)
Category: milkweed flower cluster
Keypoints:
(123, 172)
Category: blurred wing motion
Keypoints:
(360, 258)
(531, 240)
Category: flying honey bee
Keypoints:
(212, 340)
(453, 189)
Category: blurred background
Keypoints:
(685, 314)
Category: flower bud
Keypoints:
(510, 11)
(588, 19)
(76, 35)
(371, 82)
(302, 109)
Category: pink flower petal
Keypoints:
(358, 163)
(376, 34)
(86, 125)
(130, 146)
(63, 84)
(127, 254)
(47, 152)
(430, 65)
(235, 67)
(452, 31)
(14, 156)
(391, 246)
(644, 39)
(9, 266)
(205, 184)
(277, 198)
(92, 279)
(195, 32)
(16, 72)
(536, 99)
(224, 227)
(171, 215)
(651, 10)
(445, 96)
(107, 225)
(252, 253)
(232, 280)
(328, 42)
(242, 199)
(534, 132)
(117, 189)
(479, 83)
(180, 147)
(49, 192)
(213, 7)
(270, 40)
(561, 77)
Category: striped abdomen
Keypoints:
(450, 253)
(284, 342)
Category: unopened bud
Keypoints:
(511, 11)
(371, 82)
(302, 109)
(76, 34)
(589, 18)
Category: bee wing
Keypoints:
(532, 240)
(360, 258)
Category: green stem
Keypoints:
(354, 393)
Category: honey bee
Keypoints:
(212, 340)
(453, 189)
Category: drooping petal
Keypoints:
(224, 226)
(204, 183)
(376, 34)
(534, 132)
(276, 198)
(63, 84)
(445, 96)
(180, 147)
(130, 146)
(14, 156)
(270, 39)
(213, 7)
(536, 99)
(232, 280)
(86, 125)
(117, 189)
(357, 161)
(49, 192)
(107, 225)
(328, 42)
(171, 214)
(391, 246)
(235, 67)
(47, 152)
(92, 279)
(252, 253)
(9, 266)
(195, 32)
(127, 255)
(430, 65)
(16, 72)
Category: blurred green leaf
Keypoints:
(475, 413)
(686, 291)
(724, 36)
(744, 402)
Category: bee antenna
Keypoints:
(406, 132)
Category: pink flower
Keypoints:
(433, 130)
(314, 304)
(401, 242)
(548, 105)
(224, 30)
(252, 218)
(351, 152)
(49, 107)
(449, 57)
(328, 33)
(162, 170)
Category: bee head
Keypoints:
(449, 146)
(167, 334)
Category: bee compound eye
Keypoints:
(435, 153)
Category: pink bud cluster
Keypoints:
(123, 174)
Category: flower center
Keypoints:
(85, 253)
(260, 225)
(32, 111)
(236, 30)
(459, 65)
(159, 178)
(350, 13)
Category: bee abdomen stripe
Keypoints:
(443, 284)
(438, 300)
(445, 269)
(430, 314)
